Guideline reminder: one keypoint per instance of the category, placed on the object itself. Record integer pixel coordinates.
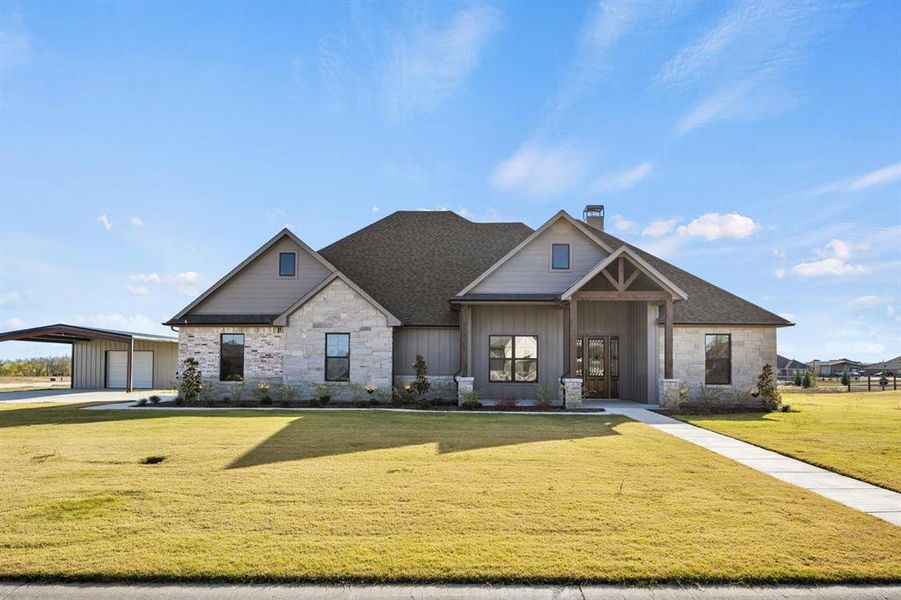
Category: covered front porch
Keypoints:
(607, 338)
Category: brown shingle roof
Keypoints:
(707, 304)
(413, 262)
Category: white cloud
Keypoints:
(835, 262)
(541, 171)
(742, 63)
(137, 290)
(183, 278)
(877, 178)
(428, 66)
(10, 299)
(889, 310)
(625, 179)
(659, 227)
(13, 323)
(375, 208)
(865, 301)
(622, 223)
(778, 252)
(138, 322)
(779, 273)
(137, 221)
(105, 222)
(715, 226)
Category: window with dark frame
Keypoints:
(513, 358)
(560, 257)
(287, 264)
(231, 357)
(718, 359)
(337, 357)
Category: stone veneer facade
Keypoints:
(338, 309)
(295, 354)
(752, 347)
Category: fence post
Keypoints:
(869, 385)
(895, 381)
(849, 381)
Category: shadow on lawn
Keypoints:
(319, 434)
(308, 437)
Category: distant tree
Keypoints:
(845, 378)
(798, 379)
(45, 366)
(806, 381)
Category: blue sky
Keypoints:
(147, 148)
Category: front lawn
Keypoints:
(321, 496)
(858, 435)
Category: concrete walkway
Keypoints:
(70, 396)
(859, 495)
(29, 591)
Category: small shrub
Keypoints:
(261, 393)
(786, 408)
(742, 397)
(238, 391)
(806, 381)
(357, 392)
(226, 400)
(152, 460)
(767, 391)
(421, 383)
(846, 379)
(191, 380)
(798, 379)
(470, 405)
(142, 402)
(708, 396)
(472, 395)
(373, 402)
(545, 395)
(288, 394)
(155, 399)
(506, 403)
(323, 392)
(245, 403)
(370, 389)
(179, 401)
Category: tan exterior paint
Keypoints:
(89, 360)
(529, 271)
(258, 289)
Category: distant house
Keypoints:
(787, 368)
(891, 366)
(828, 368)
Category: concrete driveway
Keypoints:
(68, 396)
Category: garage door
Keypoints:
(117, 369)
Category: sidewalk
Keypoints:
(874, 500)
(28, 591)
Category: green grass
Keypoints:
(856, 434)
(324, 496)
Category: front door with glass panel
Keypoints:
(597, 361)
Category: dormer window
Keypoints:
(560, 257)
(287, 264)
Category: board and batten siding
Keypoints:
(546, 322)
(439, 346)
(89, 362)
(529, 270)
(628, 321)
(258, 289)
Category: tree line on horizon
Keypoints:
(44, 366)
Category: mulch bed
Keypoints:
(443, 406)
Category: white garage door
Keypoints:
(117, 369)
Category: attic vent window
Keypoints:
(560, 257)
(287, 264)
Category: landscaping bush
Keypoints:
(155, 399)
(767, 390)
(421, 383)
(470, 405)
(142, 402)
(506, 403)
(191, 381)
(545, 395)
(322, 394)
(786, 408)
(261, 393)
(806, 381)
(357, 392)
(288, 394)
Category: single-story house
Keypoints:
(104, 358)
(787, 368)
(891, 366)
(830, 368)
(564, 311)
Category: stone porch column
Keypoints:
(464, 386)
(572, 392)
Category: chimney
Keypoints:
(594, 215)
